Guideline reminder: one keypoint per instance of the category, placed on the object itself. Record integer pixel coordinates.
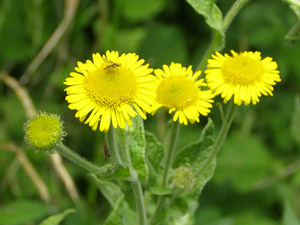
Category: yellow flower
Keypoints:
(178, 89)
(110, 90)
(245, 76)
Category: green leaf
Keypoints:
(187, 219)
(133, 138)
(208, 9)
(213, 18)
(56, 219)
(194, 156)
(121, 214)
(117, 172)
(137, 149)
(295, 6)
(290, 215)
(294, 33)
(295, 124)
(159, 190)
(154, 156)
(110, 190)
(22, 212)
(196, 153)
(155, 151)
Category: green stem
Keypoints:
(159, 207)
(207, 55)
(220, 139)
(136, 189)
(235, 8)
(168, 165)
(139, 201)
(224, 26)
(80, 161)
(122, 156)
(113, 147)
(170, 153)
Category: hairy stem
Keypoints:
(56, 159)
(224, 26)
(136, 189)
(78, 160)
(220, 139)
(235, 8)
(170, 153)
(113, 148)
(122, 156)
(139, 201)
(168, 165)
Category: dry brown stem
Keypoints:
(58, 165)
(29, 168)
(70, 10)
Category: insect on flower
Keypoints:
(111, 65)
(110, 90)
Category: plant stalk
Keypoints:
(221, 137)
(136, 189)
(139, 201)
(113, 147)
(124, 157)
(168, 165)
(235, 8)
(224, 26)
(170, 153)
(80, 161)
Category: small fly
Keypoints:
(111, 65)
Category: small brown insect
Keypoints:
(106, 152)
(111, 65)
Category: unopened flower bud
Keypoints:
(44, 131)
(184, 178)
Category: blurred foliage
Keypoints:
(263, 141)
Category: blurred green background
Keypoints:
(257, 179)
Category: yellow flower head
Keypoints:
(178, 89)
(111, 89)
(245, 76)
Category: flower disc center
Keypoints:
(177, 91)
(242, 70)
(111, 86)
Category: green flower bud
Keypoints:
(44, 131)
(184, 178)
